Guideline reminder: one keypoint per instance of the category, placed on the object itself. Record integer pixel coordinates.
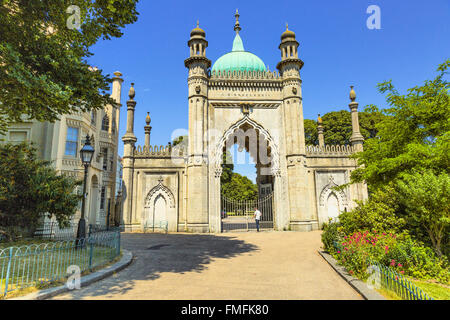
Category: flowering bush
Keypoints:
(400, 253)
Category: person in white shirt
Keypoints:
(257, 218)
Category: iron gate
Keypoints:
(238, 215)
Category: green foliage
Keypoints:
(179, 139)
(415, 135)
(311, 135)
(240, 188)
(338, 126)
(227, 168)
(331, 235)
(426, 198)
(31, 189)
(379, 213)
(43, 67)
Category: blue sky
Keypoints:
(335, 44)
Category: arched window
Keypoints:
(105, 123)
(94, 117)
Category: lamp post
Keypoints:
(86, 154)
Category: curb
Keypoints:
(127, 257)
(360, 286)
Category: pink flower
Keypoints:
(339, 252)
(402, 272)
(392, 262)
(399, 265)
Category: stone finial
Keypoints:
(147, 119)
(132, 93)
(319, 119)
(352, 94)
(237, 26)
(118, 74)
(197, 23)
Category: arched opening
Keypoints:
(160, 212)
(246, 146)
(333, 206)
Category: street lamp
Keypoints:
(86, 154)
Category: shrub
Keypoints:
(331, 234)
(378, 213)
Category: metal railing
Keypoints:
(52, 230)
(396, 282)
(38, 264)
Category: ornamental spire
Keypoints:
(237, 27)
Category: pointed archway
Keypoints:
(261, 146)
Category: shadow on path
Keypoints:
(158, 253)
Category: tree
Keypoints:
(426, 198)
(31, 189)
(227, 167)
(311, 135)
(43, 67)
(179, 140)
(338, 126)
(415, 135)
(240, 188)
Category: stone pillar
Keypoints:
(320, 132)
(147, 130)
(197, 156)
(299, 207)
(116, 95)
(356, 139)
(129, 140)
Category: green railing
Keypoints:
(394, 281)
(37, 264)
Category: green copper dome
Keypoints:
(238, 59)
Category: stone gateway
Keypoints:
(238, 101)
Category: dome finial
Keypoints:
(352, 94)
(197, 23)
(147, 119)
(287, 26)
(132, 93)
(237, 27)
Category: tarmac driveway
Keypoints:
(248, 265)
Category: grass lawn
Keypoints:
(435, 290)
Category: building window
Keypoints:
(105, 158)
(105, 123)
(71, 142)
(102, 198)
(113, 126)
(17, 136)
(93, 117)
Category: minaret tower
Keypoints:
(197, 164)
(129, 141)
(294, 131)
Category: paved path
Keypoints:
(250, 265)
